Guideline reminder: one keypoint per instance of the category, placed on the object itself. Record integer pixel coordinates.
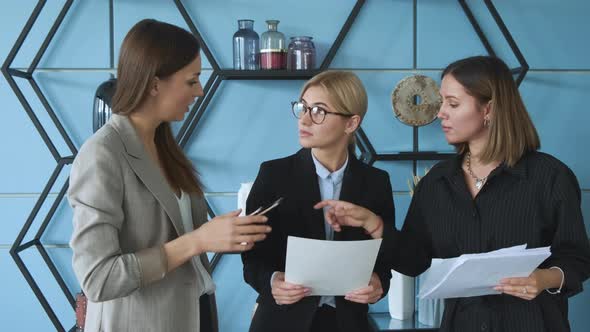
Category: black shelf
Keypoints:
(283, 74)
(368, 153)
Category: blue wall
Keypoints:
(247, 116)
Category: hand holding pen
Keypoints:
(232, 233)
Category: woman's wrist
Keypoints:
(554, 279)
(371, 223)
(374, 227)
(195, 242)
(178, 251)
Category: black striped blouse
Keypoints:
(536, 202)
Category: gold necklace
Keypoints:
(478, 181)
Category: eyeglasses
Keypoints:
(317, 113)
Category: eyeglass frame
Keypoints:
(309, 109)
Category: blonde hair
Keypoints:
(346, 93)
(511, 131)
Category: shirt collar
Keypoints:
(323, 172)
(520, 168)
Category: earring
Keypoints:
(486, 122)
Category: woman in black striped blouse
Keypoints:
(499, 191)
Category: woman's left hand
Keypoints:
(525, 288)
(369, 294)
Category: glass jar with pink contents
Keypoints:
(273, 53)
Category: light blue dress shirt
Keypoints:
(330, 186)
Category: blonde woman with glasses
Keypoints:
(329, 111)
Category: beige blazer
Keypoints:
(124, 211)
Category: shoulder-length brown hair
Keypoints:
(511, 131)
(156, 49)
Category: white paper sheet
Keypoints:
(330, 267)
(477, 274)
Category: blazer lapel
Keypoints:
(147, 171)
(310, 194)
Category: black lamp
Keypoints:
(102, 103)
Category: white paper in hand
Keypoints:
(330, 267)
(477, 274)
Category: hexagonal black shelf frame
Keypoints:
(220, 75)
(184, 134)
(18, 246)
(368, 153)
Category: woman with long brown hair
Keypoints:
(140, 220)
(499, 191)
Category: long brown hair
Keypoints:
(156, 49)
(511, 131)
(346, 92)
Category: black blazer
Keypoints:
(295, 179)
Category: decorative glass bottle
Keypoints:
(301, 54)
(246, 50)
(273, 53)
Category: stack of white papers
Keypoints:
(330, 267)
(477, 274)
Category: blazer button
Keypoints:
(484, 327)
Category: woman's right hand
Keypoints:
(343, 213)
(230, 233)
(286, 293)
